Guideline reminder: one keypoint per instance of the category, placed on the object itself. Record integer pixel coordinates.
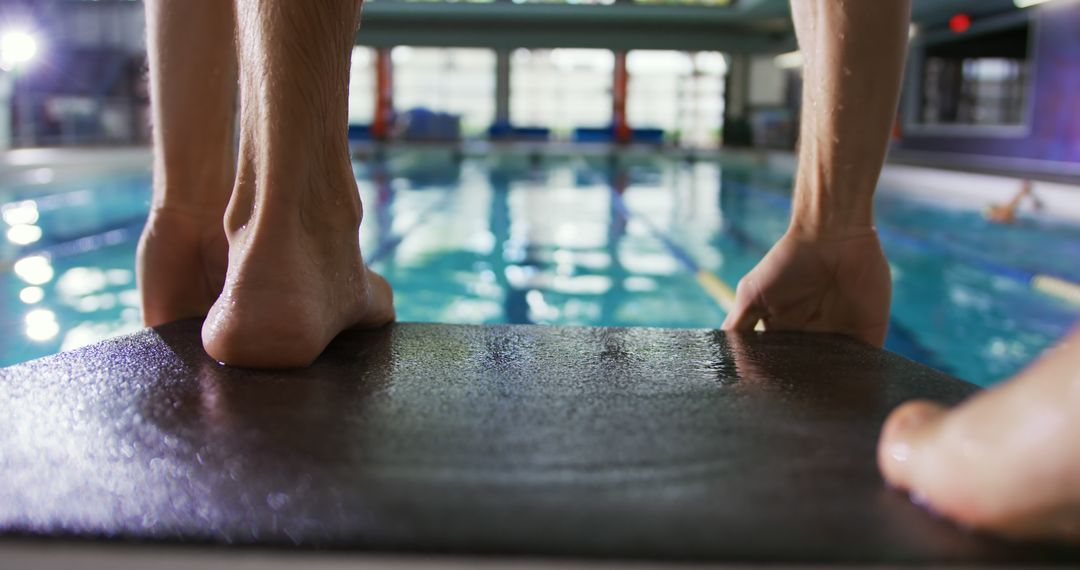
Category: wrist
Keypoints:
(816, 229)
(828, 207)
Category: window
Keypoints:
(561, 89)
(362, 86)
(679, 92)
(458, 81)
(978, 81)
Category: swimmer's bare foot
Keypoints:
(183, 253)
(180, 264)
(1007, 461)
(296, 277)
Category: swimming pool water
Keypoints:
(570, 240)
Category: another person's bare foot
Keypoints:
(1007, 461)
(180, 264)
(296, 277)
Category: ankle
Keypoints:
(280, 199)
(198, 187)
(191, 215)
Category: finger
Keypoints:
(907, 432)
(741, 319)
(874, 336)
(743, 316)
(747, 310)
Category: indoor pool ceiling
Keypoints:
(733, 26)
(743, 26)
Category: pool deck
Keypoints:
(524, 443)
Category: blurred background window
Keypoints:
(681, 93)
(561, 89)
(362, 86)
(977, 81)
(457, 81)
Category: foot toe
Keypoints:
(903, 437)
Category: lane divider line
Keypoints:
(713, 285)
(717, 289)
(1055, 287)
(387, 246)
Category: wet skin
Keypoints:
(1007, 461)
(280, 273)
(287, 240)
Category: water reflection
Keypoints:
(23, 234)
(541, 239)
(41, 324)
(34, 270)
(31, 295)
(20, 213)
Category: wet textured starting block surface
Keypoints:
(510, 440)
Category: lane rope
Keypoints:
(714, 286)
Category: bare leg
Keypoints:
(295, 277)
(182, 254)
(1007, 461)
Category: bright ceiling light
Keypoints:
(17, 49)
(1028, 3)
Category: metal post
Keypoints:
(623, 134)
(383, 120)
(502, 87)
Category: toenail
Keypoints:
(913, 418)
(900, 451)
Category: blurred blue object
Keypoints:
(359, 132)
(420, 124)
(607, 135)
(503, 130)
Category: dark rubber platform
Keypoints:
(510, 440)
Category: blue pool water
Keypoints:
(573, 241)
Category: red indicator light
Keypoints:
(960, 23)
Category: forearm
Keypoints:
(854, 55)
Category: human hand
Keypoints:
(818, 284)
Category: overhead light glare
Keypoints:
(18, 48)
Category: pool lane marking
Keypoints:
(85, 244)
(1056, 286)
(387, 246)
(717, 288)
(714, 286)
